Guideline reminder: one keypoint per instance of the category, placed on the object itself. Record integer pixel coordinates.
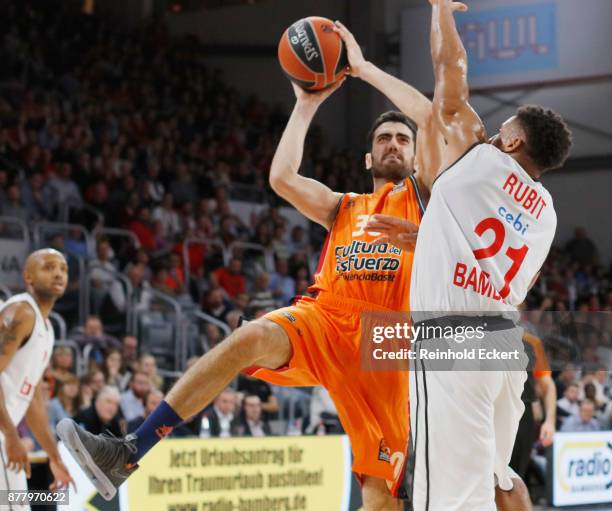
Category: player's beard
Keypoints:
(392, 171)
(49, 293)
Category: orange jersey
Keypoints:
(351, 266)
(325, 332)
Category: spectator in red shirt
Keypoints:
(176, 277)
(231, 278)
(195, 254)
(141, 227)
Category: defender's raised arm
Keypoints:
(458, 122)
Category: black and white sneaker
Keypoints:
(104, 458)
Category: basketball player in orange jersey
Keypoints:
(26, 344)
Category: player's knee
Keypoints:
(248, 341)
(263, 343)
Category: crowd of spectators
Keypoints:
(120, 389)
(136, 126)
(585, 399)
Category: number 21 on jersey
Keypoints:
(516, 255)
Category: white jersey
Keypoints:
(20, 377)
(485, 235)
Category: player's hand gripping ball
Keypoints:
(312, 54)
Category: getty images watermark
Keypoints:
(471, 341)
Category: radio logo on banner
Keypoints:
(583, 468)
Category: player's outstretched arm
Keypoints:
(310, 197)
(407, 99)
(430, 149)
(460, 125)
(38, 422)
(16, 324)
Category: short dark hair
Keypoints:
(392, 116)
(549, 139)
(248, 396)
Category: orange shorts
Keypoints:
(373, 406)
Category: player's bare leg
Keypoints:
(261, 343)
(376, 496)
(517, 499)
(109, 461)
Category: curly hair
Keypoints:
(549, 139)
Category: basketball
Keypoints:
(311, 54)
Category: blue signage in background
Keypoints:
(510, 39)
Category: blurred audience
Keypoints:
(231, 278)
(217, 421)
(66, 403)
(281, 283)
(151, 400)
(103, 414)
(261, 296)
(566, 377)
(62, 364)
(93, 335)
(112, 369)
(583, 421)
(148, 365)
(569, 404)
(251, 422)
(129, 355)
(94, 380)
(132, 400)
(323, 414)
(215, 304)
(252, 386)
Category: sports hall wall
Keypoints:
(257, 28)
(345, 118)
(582, 198)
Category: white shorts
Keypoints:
(463, 426)
(11, 480)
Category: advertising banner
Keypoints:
(582, 468)
(308, 473)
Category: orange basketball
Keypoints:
(311, 54)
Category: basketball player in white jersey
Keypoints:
(26, 344)
(487, 230)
